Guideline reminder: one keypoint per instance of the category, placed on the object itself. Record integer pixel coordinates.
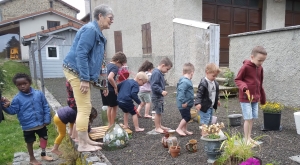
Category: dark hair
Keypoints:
(93, 115)
(119, 57)
(166, 61)
(258, 49)
(21, 75)
(146, 66)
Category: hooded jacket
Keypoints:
(185, 93)
(203, 96)
(250, 77)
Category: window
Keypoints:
(146, 38)
(52, 52)
(118, 41)
(51, 24)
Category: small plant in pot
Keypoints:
(212, 140)
(272, 115)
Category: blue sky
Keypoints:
(79, 4)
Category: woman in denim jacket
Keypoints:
(82, 65)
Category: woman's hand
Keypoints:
(116, 91)
(84, 86)
(105, 92)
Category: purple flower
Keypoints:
(251, 161)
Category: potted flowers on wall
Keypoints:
(272, 116)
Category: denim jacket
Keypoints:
(185, 92)
(87, 51)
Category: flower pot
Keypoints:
(174, 151)
(272, 122)
(212, 148)
(297, 121)
(235, 119)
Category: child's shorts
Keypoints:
(250, 111)
(110, 99)
(145, 97)
(205, 118)
(158, 104)
(186, 113)
(29, 136)
(127, 107)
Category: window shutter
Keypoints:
(118, 41)
(148, 40)
(144, 38)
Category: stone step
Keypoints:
(221, 80)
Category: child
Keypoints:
(157, 82)
(128, 91)
(185, 98)
(64, 116)
(208, 94)
(249, 80)
(145, 90)
(118, 60)
(33, 113)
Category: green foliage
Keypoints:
(235, 150)
(229, 75)
(272, 107)
(213, 136)
(2, 78)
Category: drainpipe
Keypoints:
(91, 11)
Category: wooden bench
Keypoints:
(100, 132)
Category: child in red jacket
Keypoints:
(249, 81)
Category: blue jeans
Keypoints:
(250, 111)
(205, 118)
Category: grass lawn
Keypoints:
(11, 134)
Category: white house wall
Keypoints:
(30, 26)
(129, 16)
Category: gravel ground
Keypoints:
(147, 149)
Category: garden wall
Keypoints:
(281, 68)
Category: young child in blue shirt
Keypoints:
(128, 91)
(185, 98)
(157, 82)
(33, 113)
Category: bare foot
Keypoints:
(188, 132)
(75, 140)
(57, 152)
(148, 116)
(35, 162)
(165, 128)
(139, 129)
(125, 127)
(48, 158)
(94, 143)
(87, 147)
(159, 130)
(180, 132)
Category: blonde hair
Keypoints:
(188, 68)
(141, 75)
(212, 68)
(258, 49)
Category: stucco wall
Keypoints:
(17, 8)
(129, 16)
(191, 45)
(273, 14)
(29, 26)
(281, 68)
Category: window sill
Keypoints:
(147, 55)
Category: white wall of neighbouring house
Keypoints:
(281, 67)
(129, 16)
(33, 25)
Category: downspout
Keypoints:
(90, 10)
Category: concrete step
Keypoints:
(221, 80)
(233, 90)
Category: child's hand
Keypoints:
(184, 105)
(164, 93)
(198, 107)
(5, 101)
(219, 103)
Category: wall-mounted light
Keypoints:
(42, 27)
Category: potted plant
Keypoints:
(213, 140)
(272, 115)
(234, 119)
(234, 151)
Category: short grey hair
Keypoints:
(104, 10)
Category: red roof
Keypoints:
(61, 1)
(26, 16)
(70, 24)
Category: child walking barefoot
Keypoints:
(145, 90)
(185, 98)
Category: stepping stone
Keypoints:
(296, 158)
